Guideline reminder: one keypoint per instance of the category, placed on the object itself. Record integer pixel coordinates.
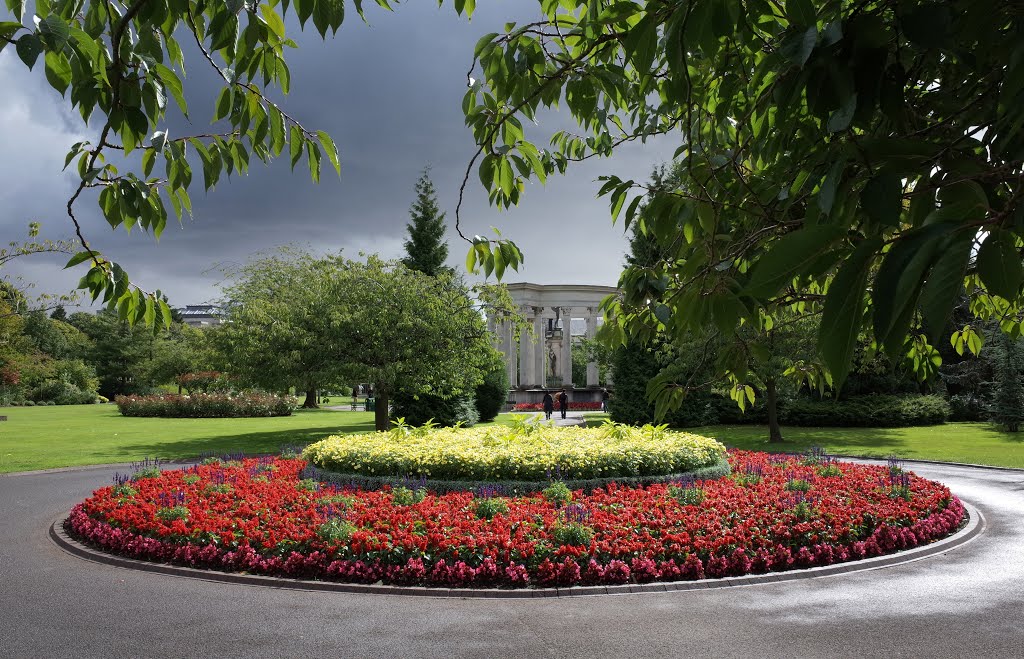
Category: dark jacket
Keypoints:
(563, 401)
(549, 403)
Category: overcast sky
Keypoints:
(390, 94)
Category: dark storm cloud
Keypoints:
(390, 94)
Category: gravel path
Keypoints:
(966, 603)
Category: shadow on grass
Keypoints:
(874, 441)
(250, 443)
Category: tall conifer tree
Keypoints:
(426, 249)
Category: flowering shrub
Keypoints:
(266, 524)
(524, 452)
(579, 406)
(207, 405)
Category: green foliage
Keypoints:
(403, 496)
(558, 494)
(836, 159)
(172, 513)
(488, 507)
(797, 485)
(686, 495)
(314, 322)
(446, 412)
(1007, 408)
(336, 531)
(426, 249)
(492, 393)
(874, 411)
(572, 535)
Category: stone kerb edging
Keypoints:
(975, 526)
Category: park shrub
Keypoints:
(615, 534)
(249, 404)
(524, 452)
(418, 410)
(492, 393)
(61, 392)
(873, 411)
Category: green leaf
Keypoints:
(797, 47)
(304, 9)
(150, 314)
(827, 192)
(791, 256)
(295, 142)
(225, 100)
(172, 84)
(999, 265)
(165, 313)
(17, 7)
(841, 118)
(328, 14)
(80, 257)
(313, 156)
(54, 32)
(277, 132)
(330, 149)
(945, 281)
(899, 280)
(28, 47)
(58, 71)
(843, 312)
(882, 199)
(801, 13)
(273, 20)
(7, 30)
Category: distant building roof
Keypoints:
(201, 314)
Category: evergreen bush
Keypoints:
(445, 412)
(492, 393)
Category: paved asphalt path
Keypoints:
(966, 603)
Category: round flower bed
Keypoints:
(772, 513)
(523, 452)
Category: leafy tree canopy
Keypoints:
(861, 159)
(299, 320)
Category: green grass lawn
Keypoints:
(977, 443)
(64, 436)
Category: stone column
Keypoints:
(566, 346)
(540, 328)
(526, 359)
(508, 348)
(593, 376)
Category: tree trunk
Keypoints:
(772, 404)
(310, 402)
(381, 420)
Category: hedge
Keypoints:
(205, 406)
(505, 487)
(874, 411)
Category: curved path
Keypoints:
(967, 602)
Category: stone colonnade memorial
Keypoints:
(544, 360)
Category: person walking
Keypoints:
(604, 400)
(549, 405)
(563, 402)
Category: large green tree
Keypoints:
(285, 327)
(306, 321)
(426, 249)
(858, 159)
